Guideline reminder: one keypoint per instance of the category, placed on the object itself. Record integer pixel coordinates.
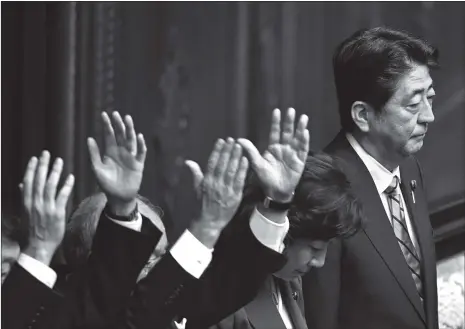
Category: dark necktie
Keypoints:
(400, 230)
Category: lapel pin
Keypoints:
(413, 186)
(295, 295)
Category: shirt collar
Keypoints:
(381, 176)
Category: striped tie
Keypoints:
(402, 235)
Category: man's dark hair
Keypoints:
(324, 205)
(368, 65)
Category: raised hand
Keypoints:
(219, 190)
(45, 210)
(280, 167)
(119, 171)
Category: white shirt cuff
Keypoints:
(135, 225)
(191, 254)
(39, 270)
(267, 232)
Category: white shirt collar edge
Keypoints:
(381, 176)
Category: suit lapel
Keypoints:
(378, 228)
(292, 295)
(262, 312)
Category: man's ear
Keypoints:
(360, 112)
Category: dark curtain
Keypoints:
(189, 73)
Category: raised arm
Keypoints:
(27, 291)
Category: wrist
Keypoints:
(206, 233)
(277, 216)
(43, 254)
(281, 197)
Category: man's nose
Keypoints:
(318, 261)
(426, 114)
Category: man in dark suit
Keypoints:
(98, 289)
(385, 276)
(94, 293)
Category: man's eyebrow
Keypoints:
(420, 90)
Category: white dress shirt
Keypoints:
(39, 270)
(382, 179)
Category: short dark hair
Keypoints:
(324, 205)
(368, 64)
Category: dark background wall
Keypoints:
(189, 73)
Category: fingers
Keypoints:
(233, 164)
(253, 153)
(241, 175)
(108, 132)
(196, 173)
(214, 156)
(224, 158)
(303, 146)
(275, 130)
(141, 148)
(302, 137)
(52, 182)
(28, 180)
(40, 177)
(288, 127)
(120, 129)
(123, 134)
(64, 193)
(94, 153)
(131, 140)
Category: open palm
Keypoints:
(119, 172)
(280, 167)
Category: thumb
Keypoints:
(254, 155)
(196, 173)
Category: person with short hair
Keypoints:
(385, 276)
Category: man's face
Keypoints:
(400, 127)
(10, 253)
(302, 255)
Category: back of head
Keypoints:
(368, 64)
(324, 204)
(323, 207)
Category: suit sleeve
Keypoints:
(321, 290)
(99, 290)
(240, 264)
(239, 267)
(25, 300)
